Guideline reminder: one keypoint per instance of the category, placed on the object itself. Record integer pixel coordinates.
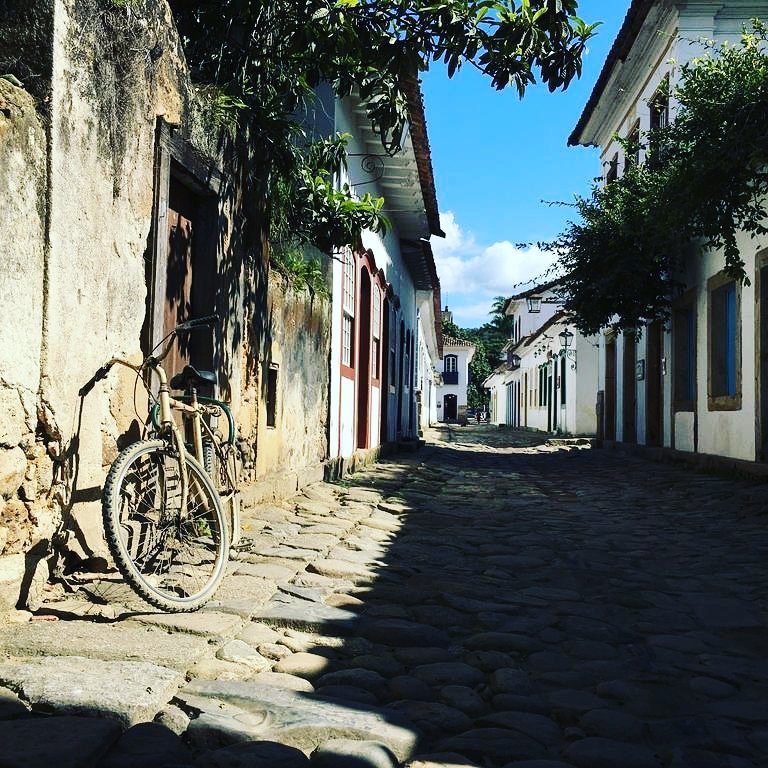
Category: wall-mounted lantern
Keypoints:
(534, 303)
(515, 361)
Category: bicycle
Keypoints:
(171, 506)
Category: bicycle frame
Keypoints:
(191, 406)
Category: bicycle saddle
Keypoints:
(190, 376)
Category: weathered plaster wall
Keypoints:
(77, 180)
(281, 458)
(113, 73)
(25, 516)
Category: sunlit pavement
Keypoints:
(489, 600)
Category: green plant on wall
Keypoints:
(309, 210)
(705, 181)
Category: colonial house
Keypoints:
(452, 391)
(381, 290)
(698, 384)
(548, 379)
(429, 353)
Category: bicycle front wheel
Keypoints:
(173, 555)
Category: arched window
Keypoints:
(451, 364)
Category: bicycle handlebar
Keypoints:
(187, 325)
(98, 376)
(197, 323)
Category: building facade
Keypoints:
(452, 391)
(548, 379)
(698, 383)
(380, 290)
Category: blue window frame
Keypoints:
(724, 352)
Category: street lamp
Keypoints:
(534, 303)
(566, 339)
(515, 360)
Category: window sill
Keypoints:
(724, 403)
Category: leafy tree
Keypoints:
(488, 340)
(264, 58)
(500, 319)
(705, 181)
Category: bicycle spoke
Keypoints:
(175, 550)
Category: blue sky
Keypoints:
(496, 158)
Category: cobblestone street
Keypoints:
(490, 600)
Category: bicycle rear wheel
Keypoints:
(222, 464)
(174, 558)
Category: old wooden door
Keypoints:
(653, 391)
(629, 393)
(364, 360)
(189, 281)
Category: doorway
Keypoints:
(450, 408)
(629, 393)
(364, 360)
(653, 412)
(762, 277)
(610, 389)
(386, 373)
(190, 277)
(182, 277)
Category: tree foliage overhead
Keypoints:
(266, 57)
(704, 181)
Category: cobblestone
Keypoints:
(489, 600)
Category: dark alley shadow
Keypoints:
(531, 603)
(536, 600)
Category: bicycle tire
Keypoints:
(172, 558)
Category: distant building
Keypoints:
(547, 380)
(452, 392)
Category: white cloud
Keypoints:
(471, 275)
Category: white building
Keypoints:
(452, 391)
(380, 288)
(548, 381)
(429, 353)
(700, 384)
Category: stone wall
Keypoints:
(25, 514)
(296, 338)
(77, 177)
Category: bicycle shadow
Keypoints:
(68, 550)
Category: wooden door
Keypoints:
(629, 394)
(364, 360)
(609, 419)
(525, 400)
(653, 390)
(386, 372)
(450, 408)
(189, 280)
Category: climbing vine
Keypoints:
(704, 181)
